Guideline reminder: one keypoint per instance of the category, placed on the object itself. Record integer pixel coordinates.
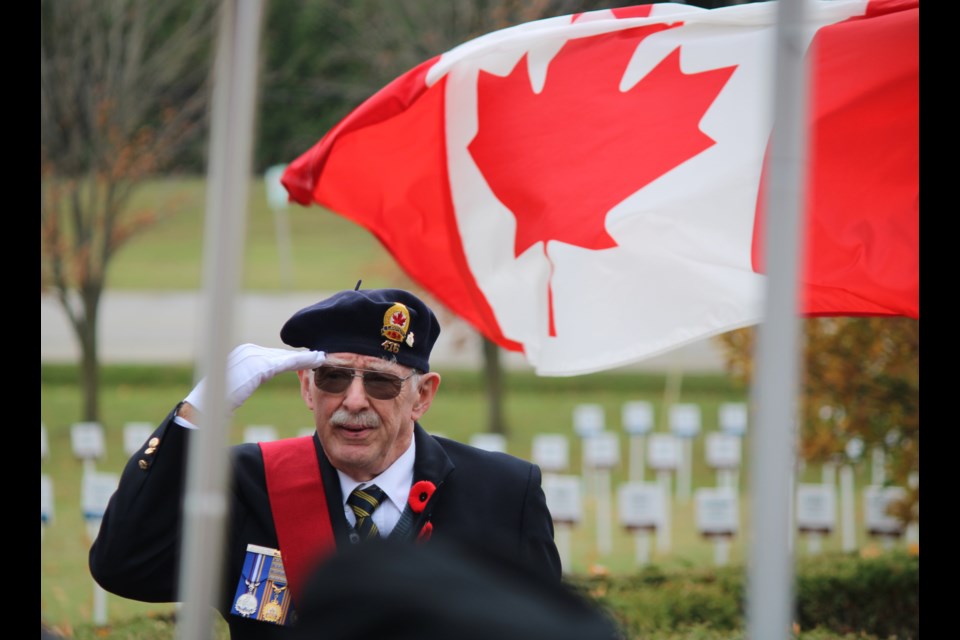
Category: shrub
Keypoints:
(837, 596)
(849, 593)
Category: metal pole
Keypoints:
(604, 527)
(663, 532)
(277, 199)
(641, 541)
(774, 391)
(205, 506)
(848, 533)
(636, 458)
(100, 618)
(685, 473)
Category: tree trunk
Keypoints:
(86, 329)
(494, 375)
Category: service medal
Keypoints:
(271, 612)
(246, 605)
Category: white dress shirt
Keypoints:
(395, 481)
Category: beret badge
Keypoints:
(396, 323)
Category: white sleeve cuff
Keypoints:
(183, 422)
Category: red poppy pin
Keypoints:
(420, 494)
(425, 532)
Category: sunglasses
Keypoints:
(378, 384)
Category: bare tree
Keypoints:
(123, 91)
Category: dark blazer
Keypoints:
(486, 500)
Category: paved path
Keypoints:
(163, 328)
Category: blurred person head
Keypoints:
(388, 589)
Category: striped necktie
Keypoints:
(364, 501)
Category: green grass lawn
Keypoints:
(533, 405)
(327, 252)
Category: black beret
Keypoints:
(373, 322)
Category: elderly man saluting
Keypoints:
(370, 470)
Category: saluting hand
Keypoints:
(250, 365)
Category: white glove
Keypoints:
(249, 366)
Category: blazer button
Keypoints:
(144, 464)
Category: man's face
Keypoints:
(363, 435)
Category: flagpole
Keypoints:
(205, 503)
(777, 361)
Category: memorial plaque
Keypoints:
(638, 417)
(723, 450)
(892, 438)
(717, 511)
(733, 418)
(551, 451)
(489, 442)
(816, 508)
(96, 489)
(277, 195)
(602, 450)
(87, 440)
(563, 498)
(876, 501)
(642, 506)
(685, 420)
(46, 499)
(588, 419)
(663, 452)
(135, 435)
(259, 433)
(854, 449)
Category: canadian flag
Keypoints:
(587, 188)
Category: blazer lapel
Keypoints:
(432, 465)
(331, 487)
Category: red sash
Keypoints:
(299, 507)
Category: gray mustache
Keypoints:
(342, 417)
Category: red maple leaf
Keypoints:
(398, 319)
(561, 159)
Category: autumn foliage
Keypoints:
(861, 378)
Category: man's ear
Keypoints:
(306, 387)
(429, 383)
